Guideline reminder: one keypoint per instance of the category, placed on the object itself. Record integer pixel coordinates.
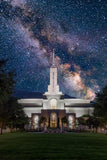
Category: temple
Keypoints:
(53, 106)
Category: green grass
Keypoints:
(32, 146)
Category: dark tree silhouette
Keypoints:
(100, 106)
(42, 120)
(82, 121)
(93, 122)
(6, 89)
(16, 117)
(64, 120)
(11, 113)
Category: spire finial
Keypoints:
(53, 55)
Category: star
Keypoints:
(76, 29)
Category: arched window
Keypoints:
(53, 120)
(36, 121)
(70, 119)
(53, 103)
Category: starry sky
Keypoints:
(30, 29)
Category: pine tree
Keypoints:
(6, 89)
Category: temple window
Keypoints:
(36, 121)
(53, 120)
(53, 103)
(70, 119)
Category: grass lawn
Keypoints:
(32, 146)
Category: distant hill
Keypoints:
(25, 94)
(68, 97)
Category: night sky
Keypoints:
(30, 29)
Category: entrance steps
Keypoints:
(57, 130)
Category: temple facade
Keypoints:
(54, 106)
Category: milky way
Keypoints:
(30, 29)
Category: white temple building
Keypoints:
(53, 105)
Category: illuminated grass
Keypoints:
(32, 146)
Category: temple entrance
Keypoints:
(53, 125)
(53, 120)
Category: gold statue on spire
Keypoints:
(53, 56)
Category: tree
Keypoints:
(11, 113)
(7, 83)
(42, 120)
(16, 116)
(82, 122)
(64, 120)
(6, 89)
(100, 106)
(93, 122)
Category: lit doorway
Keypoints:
(70, 120)
(36, 121)
(53, 120)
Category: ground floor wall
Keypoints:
(53, 119)
(29, 110)
(80, 111)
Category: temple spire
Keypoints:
(53, 56)
(53, 87)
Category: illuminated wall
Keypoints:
(30, 110)
(79, 111)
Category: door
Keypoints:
(53, 120)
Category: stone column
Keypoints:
(58, 122)
(49, 121)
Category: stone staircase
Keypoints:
(57, 130)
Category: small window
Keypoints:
(53, 103)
